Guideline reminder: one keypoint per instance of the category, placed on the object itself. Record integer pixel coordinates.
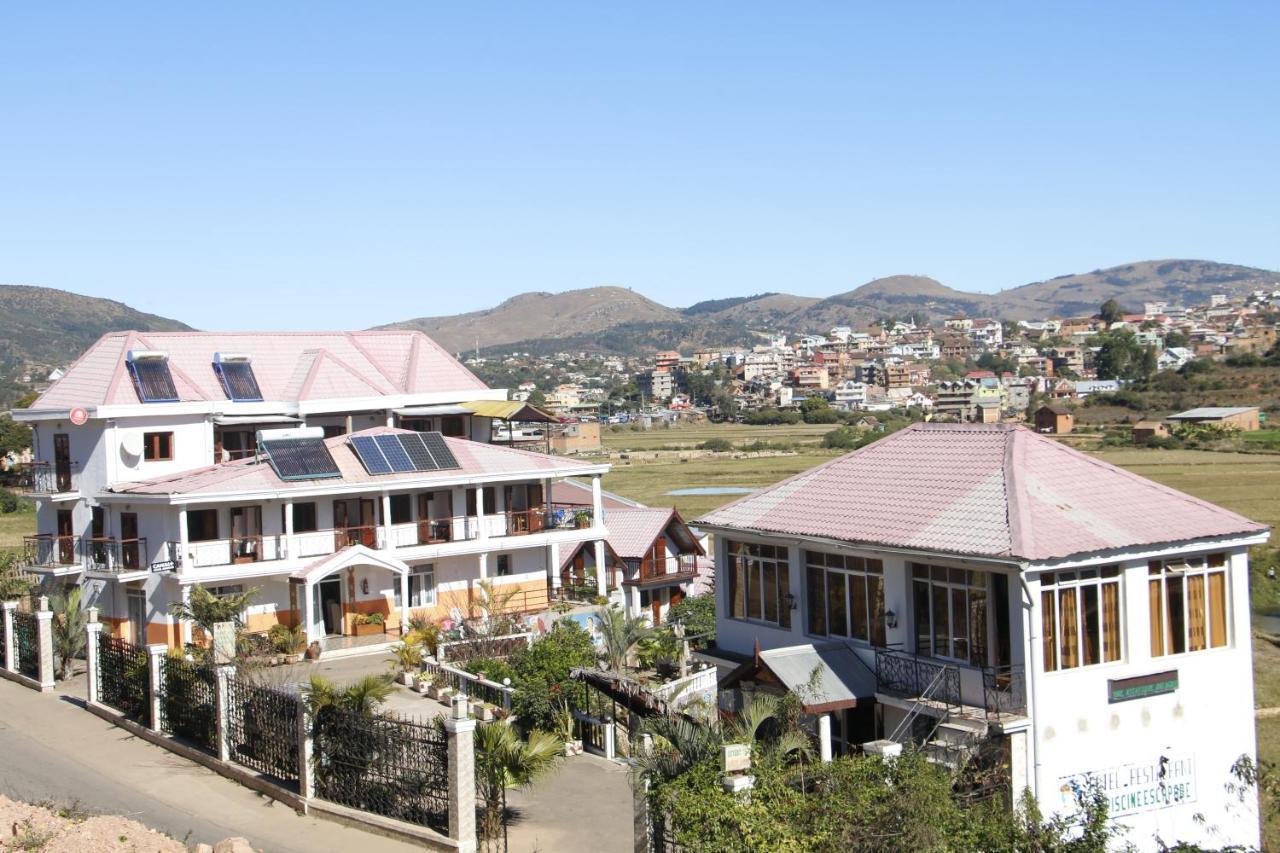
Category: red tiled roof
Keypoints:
(990, 490)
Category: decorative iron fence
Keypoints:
(123, 677)
(1004, 690)
(913, 677)
(189, 703)
(262, 729)
(383, 765)
(25, 643)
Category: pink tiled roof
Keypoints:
(289, 366)
(578, 492)
(979, 489)
(633, 530)
(250, 475)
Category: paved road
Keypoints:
(54, 751)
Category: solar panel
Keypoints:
(417, 450)
(153, 381)
(238, 381)
(301, 458)
(439, 450)
(367, 449)
(394, 451)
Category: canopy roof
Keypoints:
(510, 410)
(826, 678)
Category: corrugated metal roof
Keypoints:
(1212, 412)
(991, 490)
(510, 410)
(826, 678)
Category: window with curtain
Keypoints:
(1188, 603)
(1080, 617)
(949, 607)
(759, 581)
(845, 596)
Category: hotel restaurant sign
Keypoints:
(1139, 786)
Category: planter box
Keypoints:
(368, 630)
(405, 678)
(483, 713)
(293, 658)
(423, 686)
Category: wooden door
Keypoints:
(246, 534)
(340, 536)
(62, 461)
(424, 518)
(655, 599)
(66, 538)
(536, 509)
(129, 551)
(368, 523)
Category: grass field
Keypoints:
(692, 436)
(13, 527)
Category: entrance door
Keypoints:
(368, 524)
(137, 602)
(62, 461)
(66, 538)
(329, 593)
(130, 552)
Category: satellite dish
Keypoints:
(131, 448)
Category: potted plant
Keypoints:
(367, 624)
(484, 712)
(582, 519)
(408, 658)
(425, 681)
(289, 641)
(563, 718)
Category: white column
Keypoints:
(458, 509)
(597, 503)
(391, 418)
(386, 522)
(289, 548)
(484, 566)
(404, 603)
(93, 634)
(553, 565)
(601, 589)
(308, 607)
(184, 541)
(10, 645)
(155, 652)
(824, 737)
(185, 624)
(482, 531)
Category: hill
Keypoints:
(543, 317)
(42, 328)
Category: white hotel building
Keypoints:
(988, 592)
(340, 474)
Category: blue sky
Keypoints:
(342, 165)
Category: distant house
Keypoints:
(1244, 418)
(1085, 387)
(1144, 431)
(1054, 418)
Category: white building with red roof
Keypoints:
(1014, 600)
(341, 474)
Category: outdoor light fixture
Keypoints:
(891, 619)
(790, 599)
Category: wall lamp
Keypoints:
(791, 601)
(890, 619)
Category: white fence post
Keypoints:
(93, 633)
(155, 689)
(221, 710)
(10, 647)
(306, 783)
(460, 729)
(44, 646)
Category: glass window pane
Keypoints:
(784, 587)
(1091, 627)
(858, 607)
(1174, 608)
(1110, 621)
(816, 596)
(1156, 603)
(769, 590)
(960, 623)
(738, 586)
(1196, 632)
(837, 614)
(876, 595)
(1218, 609)
(755, 600)
(978, 624)
(941, 622)
(1068, 628)
(920, 614)
(875, 567)
(1049, 640)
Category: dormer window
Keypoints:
(151, 376)
(236, 373)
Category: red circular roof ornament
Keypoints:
(79, 416)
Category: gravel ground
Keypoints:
(27, 827)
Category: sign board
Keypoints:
(79, 416)
(735, 757)
(224, 642)
(1142, 686)
(163, 566)
(1139, 786)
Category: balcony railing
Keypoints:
(1004, 690)
(236, 550)
(909, 676)
(48, 551)
(49, 478)
(104, 554)
(366, 535)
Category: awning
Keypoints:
(352, 555)
(841, 677)
(510, 410)
(235, 420)
(432, 411)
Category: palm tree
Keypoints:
(678, 744)
(503, 759)
(621, 635)
(69, 623)
(204, 609)
(364, 696)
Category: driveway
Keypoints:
(584, 808)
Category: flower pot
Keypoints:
(483, 713)
(296, 657)
(423, 686)
(405, 678)
(368, 629)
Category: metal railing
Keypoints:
(26, 643)
(188, 701)
(48, 550)
(262, 728)
(50, 478)
(105, 554)
(366, 535)
(911, 676)
(123, 678)
(1004, 690)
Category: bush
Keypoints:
(9, 502)
(698, 616)
(542, 673)
(720, 445)
(493, 669)
(848, 438)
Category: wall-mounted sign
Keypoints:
(1141, 686)
(79, 416)
(1140, 786)
(164, 566)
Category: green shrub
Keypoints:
(542, 673)
(720, 445)
(698, 616)
(493, 669)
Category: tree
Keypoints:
(1120, 356)
(1111, 312)
(503, 759)
(364, 696)
(537, 398)
(14, 437)
(69, 623)
(697, 614)
(621, 635)
(542, 673)
(204, 609)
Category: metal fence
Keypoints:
(262, 729)
(123, 677)
(383, 765)
(25, 643)
(188, 701)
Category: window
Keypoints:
(453, 425)
(401, 509)
(504, 565)
(157, 446)
(1080, 617)
(1188, 601)
(422, 586)
(845, 596)
(304, 518)
(202, 525)
(333, 430)
(950, 610)
(759, 583)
